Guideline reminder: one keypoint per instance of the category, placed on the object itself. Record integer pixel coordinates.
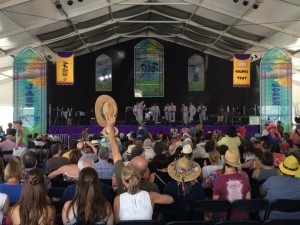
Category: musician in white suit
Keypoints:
(155, 111)
(172, 112)
(166, 110)
(201, 109)
(192, 112)
(185, 114)
(140, 112)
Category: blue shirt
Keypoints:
(104, 169)
(12, 190)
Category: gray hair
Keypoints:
(104, 153)
(85, 162)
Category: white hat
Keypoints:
(95, 142)
(187, 149)
(129, 149)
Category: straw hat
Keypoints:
(184, 170)
(290, 166)
(105, 132)
(232, 158)
(105, 106)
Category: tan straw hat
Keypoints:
(105, 106)
(105, 132)
(232, 158)
(184, 170)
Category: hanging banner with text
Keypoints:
(241, 70)
(196, 73)
(29, 88)
(103, 73)
(65, 68)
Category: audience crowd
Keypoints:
(110, 177)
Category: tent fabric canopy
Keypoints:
(215, 27)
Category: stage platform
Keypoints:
(155, 129)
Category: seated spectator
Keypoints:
(184, 186)
(12, 176)
(89, 205)
(6, 148)
(138, 161)
(283, 187)
(149, 152)
(266, 169)
(248, 155)
(126, 156)
(34, 206)
(214, 158)
(104, 169)
(70, 172)
(231, 185)
(160, 176)
(278, 156)
(57, 160)
(139, 202)
(4, 206)
(70, 191)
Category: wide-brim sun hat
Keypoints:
(184, 170)
(105, 106)
(18, 121)
(290, 166)
(232, 158)
(105, 132)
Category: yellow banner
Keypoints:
(241, 70)
(65, 68)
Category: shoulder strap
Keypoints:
(159, 178)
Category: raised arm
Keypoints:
(112, 139)
(92, 146)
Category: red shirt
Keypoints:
(242, 131)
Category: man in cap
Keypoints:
(21, 139)
(286, 186)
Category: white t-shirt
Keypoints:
(3, 198)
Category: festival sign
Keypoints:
(65, 68)
(196, 73)
(276, 88)
(149, 69)
(241, 70)
(103, 73)
(29, 88)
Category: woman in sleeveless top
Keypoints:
(136, 204)
(88, 206)
(161, 176)
(267, 168)
(34, 207)
(70, 172)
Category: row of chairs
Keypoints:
(182, 211)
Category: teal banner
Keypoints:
(196, 73)
(29, 87)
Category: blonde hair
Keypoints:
(13, 170)
(214, 156)
(132, 176)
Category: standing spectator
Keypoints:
(280, 128)
(105, 170)
(21, 139)
(34, 206)
(85, 134)
(242, 130)
(231, 139)
(2, 133)
(296, 137)
(6, 148)
(10, 130)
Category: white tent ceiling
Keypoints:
(216, 27)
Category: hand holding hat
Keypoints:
(105, 108)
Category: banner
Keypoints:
(65, 68)
(103, 73)
(196, 73)
(241, 70)
(149, 69)
(276, 88)
(29, 88)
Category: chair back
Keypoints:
(280, 222)
(283, 205)
(189, 222)
(138, 222)
(240, 222)
(177, 211)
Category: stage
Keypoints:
(154, 129)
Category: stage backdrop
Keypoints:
(103, 73)
(276, 88)
(30, 102)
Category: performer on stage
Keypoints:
(155, 111)
(166, 110)
(185, 114)
(192, 112)
(201, 109)
(135, 108)
(140, 112)
(220, 114)
(172, 112)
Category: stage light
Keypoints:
(70, 2)
(245, 2)
(235, 1)
(58, 4)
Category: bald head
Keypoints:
(141, 163)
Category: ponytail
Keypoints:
(132, 176)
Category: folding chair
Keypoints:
(283, 205)
(177, 211)
(239, 222)
(280, 222)
(138, 222)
